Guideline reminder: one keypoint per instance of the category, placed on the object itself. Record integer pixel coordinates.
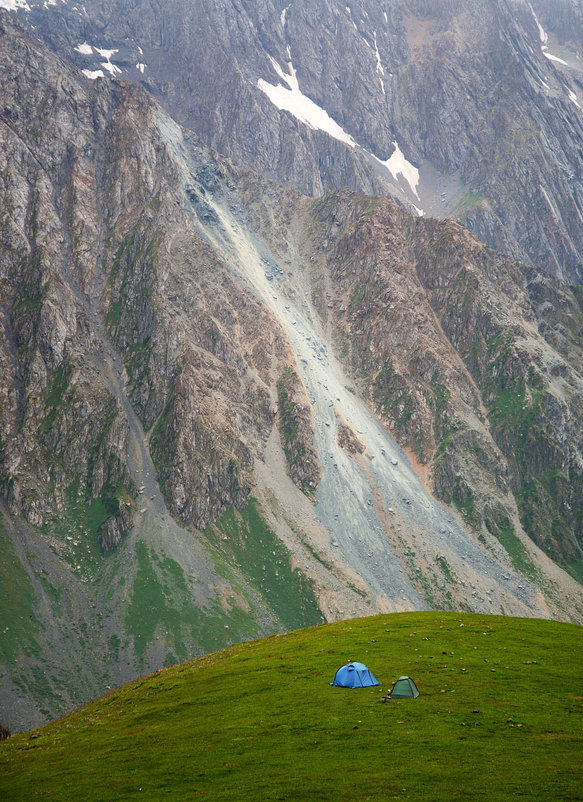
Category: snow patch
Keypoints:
(397, 165)
(573, 97)
(291, 99)
(87, 50)
(113, 69)
(544, 40)
(84, 49)
(304, 109)
(106, 54)
(380, 68)
(14, 5)
(93, 74)
(141, 67)
(554, 58)
(349, 12)
(284, 16)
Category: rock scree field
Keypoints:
(499, 717)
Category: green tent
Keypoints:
(404, 688)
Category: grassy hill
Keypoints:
(500, 716)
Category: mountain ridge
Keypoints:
(477, 100)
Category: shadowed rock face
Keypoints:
(186, 346)
(483, 99)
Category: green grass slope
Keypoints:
(499, 717)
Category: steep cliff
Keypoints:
(133, 365)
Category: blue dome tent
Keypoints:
(354, 675)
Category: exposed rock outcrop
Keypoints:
(296, 431)
(450, 343)
(349, 440)
(484, 100)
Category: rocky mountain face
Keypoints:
(229, 408)
(483, 394)
(458, 108)
(118, 319)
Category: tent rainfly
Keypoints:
(354, 675)
(404, 688)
